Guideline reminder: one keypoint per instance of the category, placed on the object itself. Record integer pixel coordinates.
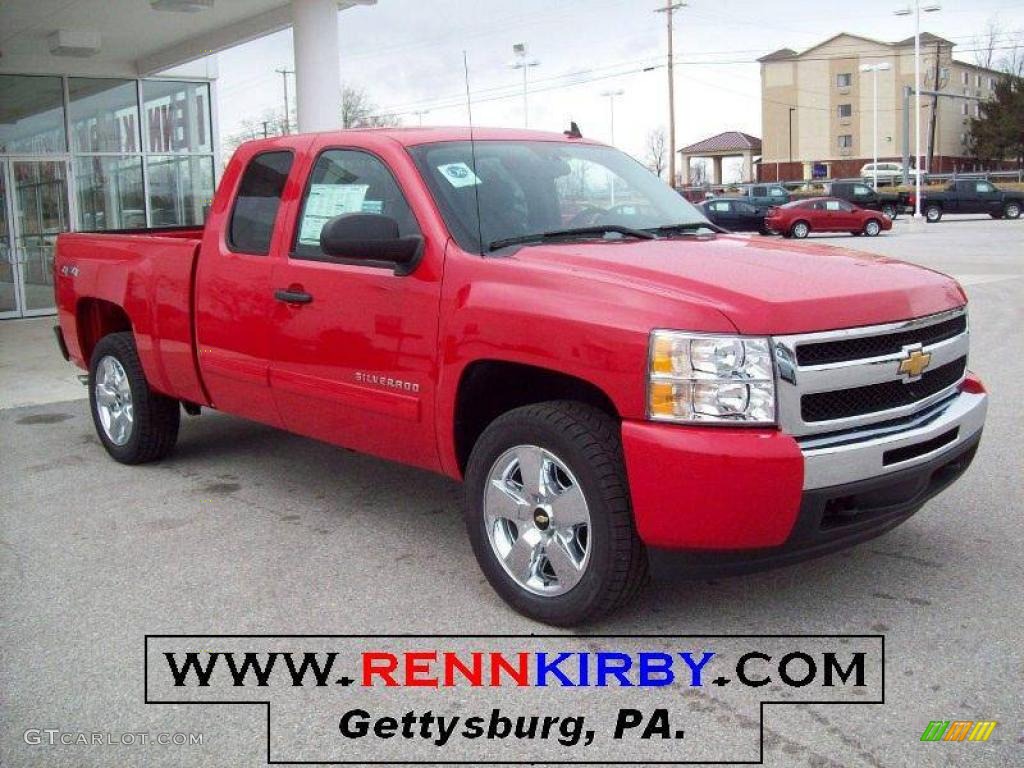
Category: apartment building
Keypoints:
(817, 106)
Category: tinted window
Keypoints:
(259, 197)
(758, 191)
(861, 191)
(349, 181)
(744, 208)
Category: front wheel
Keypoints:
(872, 228)
(134, 423)
(548, 513)
(933, 213)
(1012, 210)
(889, 210)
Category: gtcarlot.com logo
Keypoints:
(958, 730)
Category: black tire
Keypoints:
(872, 227)
(154, 429)
(933, 214)
(800, 229)
(1011, 210)
(890, 211)
(588, 442)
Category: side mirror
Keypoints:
(371, 237)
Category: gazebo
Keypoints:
(727, 144)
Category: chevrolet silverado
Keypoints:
(538, 316)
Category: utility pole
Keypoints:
(265, 129)
(934, 117)
(287, 107)
(668, 10)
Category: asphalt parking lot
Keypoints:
(250, 530)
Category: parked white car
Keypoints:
(888, 173)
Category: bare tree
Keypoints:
(1012, 60)
(986, 44)
(271, 122)
(657, 151)
(359, 111)
(699, 173)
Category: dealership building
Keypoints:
(108, 116)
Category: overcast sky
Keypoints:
(407, 55)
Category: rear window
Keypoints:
(257, 202)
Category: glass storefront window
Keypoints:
(177, 116)
(104, 115)
(180, 189)
(110, 193)
(31, 115)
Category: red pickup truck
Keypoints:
(539, 316)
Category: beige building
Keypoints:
(817, 106)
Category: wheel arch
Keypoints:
(488, 388)
(96, 318)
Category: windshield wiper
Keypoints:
(555, 234)
(688, 228)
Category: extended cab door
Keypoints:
(353, 344)
(233, 299)
(988, 199)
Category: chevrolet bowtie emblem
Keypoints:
(914, 364)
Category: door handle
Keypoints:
(290, 296)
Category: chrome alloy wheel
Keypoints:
(872, 228)
(114, 400)
(537, 520)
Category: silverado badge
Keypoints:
(915, 362)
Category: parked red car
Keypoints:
(825, 214)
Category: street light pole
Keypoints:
(523, 63)
(916, 11)
(875, 69)
(610, 95)
(668, 10)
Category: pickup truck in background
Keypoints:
(971, 196)
(635, 384)
(761, 196)
(863, 196)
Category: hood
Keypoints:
(763, 286)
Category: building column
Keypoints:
(317, 64)
(685, 162)
(716, 170)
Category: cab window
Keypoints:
(349, 181)
(983, 186)
(721, 206)
(777, 192)
(257, 203)
(859, 190)
(758, 192)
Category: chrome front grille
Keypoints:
(841, 380)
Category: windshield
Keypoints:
(535, 187)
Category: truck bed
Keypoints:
(146, 274)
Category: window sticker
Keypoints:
(459, 175)
(373, 206)
(326, 201)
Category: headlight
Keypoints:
(724, 379)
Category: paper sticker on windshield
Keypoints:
(324, 202)
(459, 175)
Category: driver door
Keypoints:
(354, 345)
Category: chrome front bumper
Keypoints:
(846, 457)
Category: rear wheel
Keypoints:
(872, 227)
(1012, 210)
(933, 213)
(134, 423)
(800, 230)
(548, 513)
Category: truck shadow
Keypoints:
(330, 489)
